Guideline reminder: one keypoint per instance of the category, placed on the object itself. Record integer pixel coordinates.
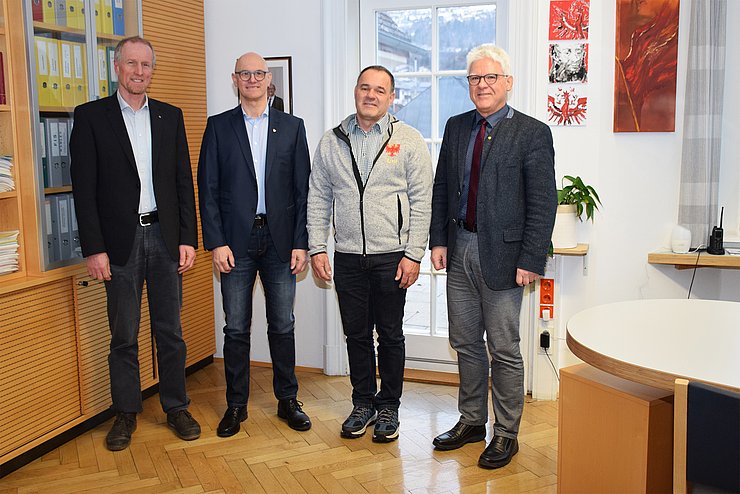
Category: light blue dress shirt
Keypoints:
(257, 132)
(139, 129)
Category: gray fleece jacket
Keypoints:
(390, 213)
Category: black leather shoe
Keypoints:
(184, 425)
(499, 452)
(229, 425)
(459, 436)
(291, 411)
(119, 436)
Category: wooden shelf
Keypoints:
(8, 195)
(57, 190)
(53, 28)
(689, 261)
(56, 109)
(578, 250)
(4, 108)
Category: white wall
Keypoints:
(636, 175)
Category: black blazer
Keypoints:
(106, 183)
(227, 184)
(517, 196)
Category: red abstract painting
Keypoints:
(645, 72)
(569, 19)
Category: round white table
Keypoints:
(654, 342)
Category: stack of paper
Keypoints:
(6, 177)
(8, 252)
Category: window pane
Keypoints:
(405, 40)
(462, 28)
(417, 312)
(453, 99)
(413, 103)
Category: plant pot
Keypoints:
(564, 233)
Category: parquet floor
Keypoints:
(267, 456)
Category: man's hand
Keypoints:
(407, 272)
(321, 266)
(524, 277)
(298, 260)
(187, 258)
(223, 259)
(439, 258)
(98, 266)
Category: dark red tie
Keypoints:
(475, 176)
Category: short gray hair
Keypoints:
(490, 51)
(133, 39)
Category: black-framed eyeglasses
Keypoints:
(490, 79)
(244, 75)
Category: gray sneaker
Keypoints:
(357, 422)
(386, 427)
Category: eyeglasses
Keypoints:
(490, 79)
(244, 75)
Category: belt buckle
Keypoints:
(141, 219)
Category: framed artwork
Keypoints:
(569, 19)
(568, 62)
(281, 69)
(567, 104)
(646, 53)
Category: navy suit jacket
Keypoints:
(106, 181)
(517, 196)
(227, 183)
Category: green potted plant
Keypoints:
(574, 199)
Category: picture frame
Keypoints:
(281, 69)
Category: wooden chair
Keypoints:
(706, 438)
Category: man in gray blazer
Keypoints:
(493, 210)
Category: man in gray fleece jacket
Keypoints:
(371, 179)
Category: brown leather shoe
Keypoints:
(119, 436)
(499, 453)
(459, 436)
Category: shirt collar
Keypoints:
(493, 118)
(124, 104)
(265, 113)
(381, 126)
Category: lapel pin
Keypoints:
(489, 138)
(274, 130)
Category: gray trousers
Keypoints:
(474, 311)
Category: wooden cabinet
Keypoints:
(38, 364)
(614, 435)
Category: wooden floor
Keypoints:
(268, 456)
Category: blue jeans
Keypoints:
(369, 296)
(236, 289)
(475, 309)
(150, 261)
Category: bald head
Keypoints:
(250, 59)
(252, 79)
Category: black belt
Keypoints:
(471, 228)
(260, 220)
(146, 219)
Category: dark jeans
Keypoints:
(149, 261)
(369, 296)
(236, 289)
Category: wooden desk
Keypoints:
(615, 423)
(653, 342)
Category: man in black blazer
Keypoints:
(493, 210)
(135, 205)
(253, 184)
(273, 100)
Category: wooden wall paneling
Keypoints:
(38, 365)
(180, 79)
